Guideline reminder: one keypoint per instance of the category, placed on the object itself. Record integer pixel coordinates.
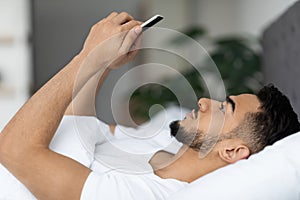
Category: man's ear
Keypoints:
(234, 153)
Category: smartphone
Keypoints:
(151, 22)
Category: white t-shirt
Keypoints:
(125, 186)
(119, 163)
(121, 168)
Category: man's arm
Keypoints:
(84, 104)
(24, 141)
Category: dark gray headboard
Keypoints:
(281, 45)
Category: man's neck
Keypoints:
(186, 166)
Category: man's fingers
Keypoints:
(135, 47)
(137, 44)
(130, 39)
(122, 18)
(112, 15)
(129, 25)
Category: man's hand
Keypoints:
(110, 41)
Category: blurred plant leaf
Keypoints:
(194, 32)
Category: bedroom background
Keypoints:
(37, 37)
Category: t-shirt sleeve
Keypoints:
(77, 136)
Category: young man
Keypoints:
(218, 134)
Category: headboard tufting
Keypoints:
(281, 57)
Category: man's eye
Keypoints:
(222, 108)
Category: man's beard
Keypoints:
(195, 139)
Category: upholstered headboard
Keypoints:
(281, 56)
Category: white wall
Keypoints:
(15, 57)
(239, 16)
(255, 15)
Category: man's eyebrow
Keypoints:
(230, 101)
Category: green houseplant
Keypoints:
(235, 57)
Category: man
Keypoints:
(218, 134)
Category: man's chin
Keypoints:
(189, 138)
(174, 127)
(180, 134)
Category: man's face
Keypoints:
(213, 119)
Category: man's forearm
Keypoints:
(36, 122)
(84, 103)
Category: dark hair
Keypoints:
(276, 120)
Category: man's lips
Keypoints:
(193, 114)
(189, 115)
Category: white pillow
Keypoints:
(273, 174)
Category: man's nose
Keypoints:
(204, 104)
